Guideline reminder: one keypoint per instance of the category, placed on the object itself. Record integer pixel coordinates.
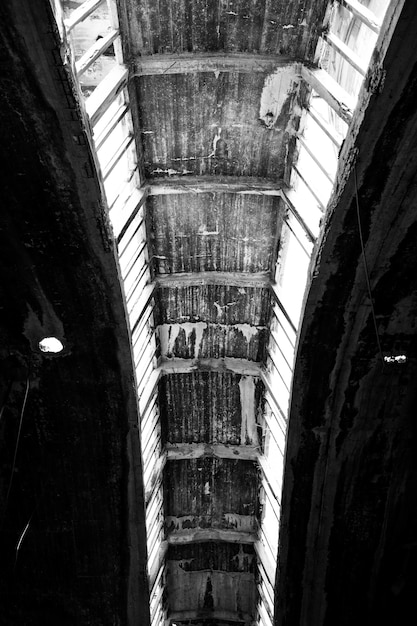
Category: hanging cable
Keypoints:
(6, 398)
(368, 283)
(21, 537)
(17, 440)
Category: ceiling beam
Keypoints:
(80, 14)
(363, 14)
(191, 62)
(290, 206)
(212, 615)
(347, 53)
(276, 297)
(180, 451)
(104, 94)
(192, 535)
(205, 184)
(235, 279)
(94, 52)
(186, 366)
(336, 97)
(243, 185)
(329, 130)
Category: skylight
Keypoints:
(333, 87)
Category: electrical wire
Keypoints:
(368, 283)
(6, 397)
(21, 537)
(17, 440)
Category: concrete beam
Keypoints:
(181, 537)
(216, 616)
(180, 451)
(205, 184)
(190, 63)
(233, 184)
(186, 366)
(236, 279)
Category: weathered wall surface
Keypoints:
(213, 232)
(70, 505)
(348, 533)
(210, 493)
(209, 407)
(275, 27)
(204, 123)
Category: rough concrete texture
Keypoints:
(349, 507)
(66, 420)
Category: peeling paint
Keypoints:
(245, 523)
(248, 432)
(203, 231)
(169, 171)
(184, 522)
(243, 559)
(228, 521)
(197, 337)
(168, 334)
(275, 92)
(215, 140)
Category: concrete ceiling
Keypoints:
(72, 518)
(208, 126)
